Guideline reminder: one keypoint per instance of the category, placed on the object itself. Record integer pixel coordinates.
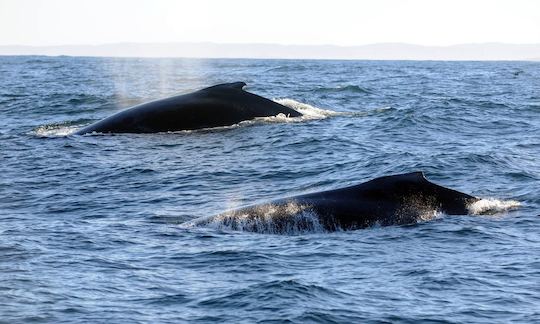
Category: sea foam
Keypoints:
(55, 130)
(289, 218)
(492, 206)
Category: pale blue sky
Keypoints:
(338, 22)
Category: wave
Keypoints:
(347, 88)
(273, 293)
(488, 206)
(288, 68)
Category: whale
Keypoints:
(390, 200)
(216, 106)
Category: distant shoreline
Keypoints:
(256, 58)
(380, 51)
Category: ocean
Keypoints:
(92, 226)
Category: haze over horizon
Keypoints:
(379, 51)
(240, 28)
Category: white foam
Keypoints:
(430, 215)
(492, 206)
(55, 130)
(308, 111)
(289, 218)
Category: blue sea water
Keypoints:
(91, 226)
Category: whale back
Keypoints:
(391, 200)
(415, 186)
(220, 105)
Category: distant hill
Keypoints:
(381, 51)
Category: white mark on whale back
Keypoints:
(491, 206)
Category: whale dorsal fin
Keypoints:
(417, 176)
(236, 85)
(233, 85)
(412, 177)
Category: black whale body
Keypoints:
(391, 200)
(220, 105)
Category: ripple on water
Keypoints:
(90, 225)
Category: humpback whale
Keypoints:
(390, 200)
(220, 105)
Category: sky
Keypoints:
(302, 22)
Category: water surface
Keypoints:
(91, 225)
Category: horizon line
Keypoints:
(489, 51)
